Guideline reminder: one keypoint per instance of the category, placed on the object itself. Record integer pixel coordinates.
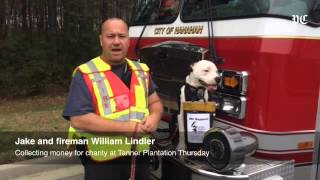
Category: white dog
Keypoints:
(203, 78)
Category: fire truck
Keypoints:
(268, 54)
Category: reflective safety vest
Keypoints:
(113, 100)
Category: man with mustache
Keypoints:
(113, 97)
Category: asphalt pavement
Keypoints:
(49, 168)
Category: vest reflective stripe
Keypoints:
(133, 115)
(140, 74)
(141, 77)
(92, 67)
(125, 117)
(108, 91)
(102, 87)
(136, 115)
(96, 65)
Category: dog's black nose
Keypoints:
(217, 79)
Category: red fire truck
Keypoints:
(268, 53)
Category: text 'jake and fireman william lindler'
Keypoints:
(94, 140)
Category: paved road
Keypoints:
(50, 168)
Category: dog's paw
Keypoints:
(181, 146)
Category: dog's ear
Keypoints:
(191, 66)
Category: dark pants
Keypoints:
(117, 169)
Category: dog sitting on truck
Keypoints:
(203, 79)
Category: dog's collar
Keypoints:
(192, 88)
(194, 93)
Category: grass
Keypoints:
(33, 117)
(41, 113)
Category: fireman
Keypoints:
(113, 99)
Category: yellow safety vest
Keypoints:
(112, 100)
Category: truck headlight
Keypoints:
(234, 106)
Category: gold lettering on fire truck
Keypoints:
(178, 30)
(188, 30)
(159, 30)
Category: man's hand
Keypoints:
(137, 130)
(151, 122)
(91, 122)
